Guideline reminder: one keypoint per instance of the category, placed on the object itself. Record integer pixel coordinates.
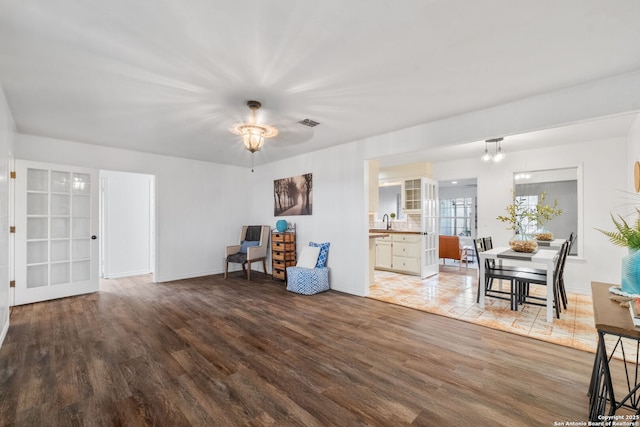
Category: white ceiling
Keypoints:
(171, 77)
(594, 130)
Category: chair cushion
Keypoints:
(308, 257)
(324, 253)
(449, 247)
(246, 244)
(253, 233)
(237, 258)
(307, 281)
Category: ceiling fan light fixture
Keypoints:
(253, 134)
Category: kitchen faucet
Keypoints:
(388, 223)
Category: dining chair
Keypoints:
(561, 288)
(572, 239)
(523, 280)
(490, 274)
(488, 243)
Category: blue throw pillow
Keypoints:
(324, 253)
(246, 244)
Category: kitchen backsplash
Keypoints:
(411, 222)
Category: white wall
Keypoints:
(199, 205)
(633, 143)
(127, 223)
(341, 181)
(339, 209)
(7, 133)
(604, 182)
(339, 215)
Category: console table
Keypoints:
(614, 320)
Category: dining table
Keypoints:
(552, 244)
(547, 257)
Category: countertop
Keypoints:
(376, 234)
(381, 230)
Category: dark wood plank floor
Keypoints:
(214, 352)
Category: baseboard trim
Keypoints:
(162, 279)
(232, 268)
(127, 274)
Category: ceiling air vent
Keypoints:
(308, 122)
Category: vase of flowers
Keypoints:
(523, 242)
(628, 236)
(541, 215)
(517, 215)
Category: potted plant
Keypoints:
(628, 236)
(517, 214)
(542, 214)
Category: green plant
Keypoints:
(516, 213)
(544, 212)
(392, 215)
(627, 236)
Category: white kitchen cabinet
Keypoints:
(406, 253)
(383, 252)
(412, 195)
(399, 252)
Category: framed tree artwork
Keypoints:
(293, 195)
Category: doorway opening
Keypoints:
(127, 208)
(458, 204)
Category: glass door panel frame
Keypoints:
(69, 265)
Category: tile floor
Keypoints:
(452, 293)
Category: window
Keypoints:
(456, 216)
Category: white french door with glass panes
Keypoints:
(56, 249)
(430, 256)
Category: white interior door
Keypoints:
(56, 231)
(430, 213)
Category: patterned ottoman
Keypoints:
(307, 281)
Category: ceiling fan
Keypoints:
(283, 129)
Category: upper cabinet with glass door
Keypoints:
(412, 191)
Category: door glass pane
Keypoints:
(37, 228)
(54, 250)
(37, 276)
(81, 227)
(37, 203)
(81, 206)
(60, 273)
(80, 271)
(80, 183)
(60, 250)
(60, 228)
(37, 180)
(80, 249)
(60, 182)
(60, 204)
(37, 252)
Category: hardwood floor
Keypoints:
(214, 352)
